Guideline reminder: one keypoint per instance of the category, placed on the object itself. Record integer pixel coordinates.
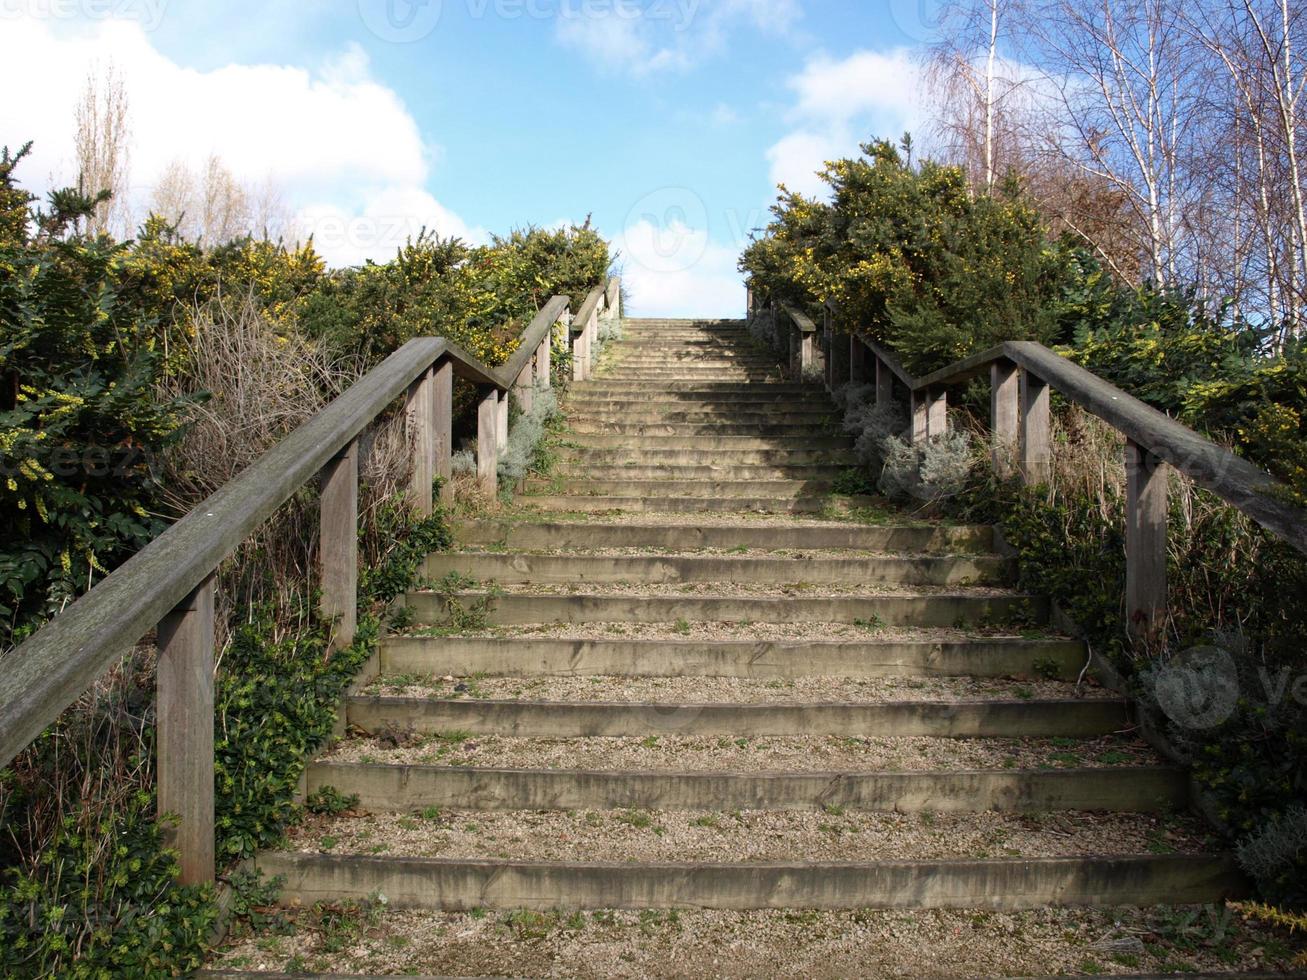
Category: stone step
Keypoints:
(692, 402)
(704, 443)
(943, 610)
(705, 457)
(558, 504)
(1061, 718)
(581, 420)
(604, 387)
(1122, 789)
(732, 489)
(996, 883)
(767, 430)
(583, 470)
(686, 536)
(550, 569)
(674, 361)
(758, 660)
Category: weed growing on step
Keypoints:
(465, 615)
(329, 801)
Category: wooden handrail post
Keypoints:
(488, 442)
(920, 408)
(805, 353)
(1145, 540)
(792, 333)
(524, 387)
(937, 412)
(1036, 432)
(858, 355)
(420, 408)
(501, 423)
(885, 384)
(338, 544)
(580, 361)
(543, 352)
(1004, 402)
(184, 711)
(840, 364)
(442, 397)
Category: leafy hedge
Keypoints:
(934, 273)
(90, 329)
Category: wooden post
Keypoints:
(184, 710)
(543, 352)
(579, 357)
(920, 417)
(501, 423)
(885, 384)
(1004, 403)
(420, 408)
(858, 357)
(488, 442)
(840, 373)
(1145, 540)
(442, 399)
(805, 353)
(937, 412)
(524, 387)
(793, 334)
(338, 548)
(1036, 438)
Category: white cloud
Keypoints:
(335, 141)
(678, 271)
(671, 35)
(840, 104)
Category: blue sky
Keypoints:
(668, 120)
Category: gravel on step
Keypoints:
(791, 753)
(933, 943)
(732, 690)
(746, 835)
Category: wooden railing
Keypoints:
(169, 584)
(1022, 374)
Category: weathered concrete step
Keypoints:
(774, 489)
(702, 443)
(493, 656)
(860, 537)
(701, 362)
(535, 569)
(604, 387)
(571, 719)
(1143, 789)
(689, 372)
(775, 428)
(705, 403)
(936, 610)
(585, 470)
(844, 459)
(1000, 883)
(609, 421)
(554, 503)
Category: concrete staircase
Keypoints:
(664, 683)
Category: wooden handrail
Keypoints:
(1022, 374)
(169, 583)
